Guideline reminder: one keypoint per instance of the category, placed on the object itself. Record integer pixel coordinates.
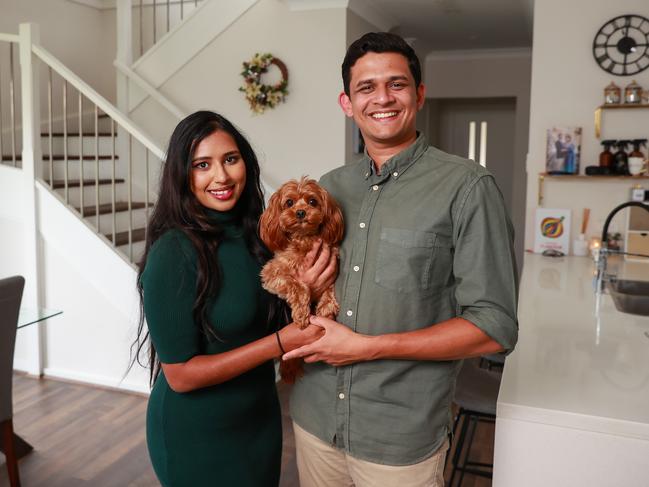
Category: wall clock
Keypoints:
(621, 46)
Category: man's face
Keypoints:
(383, 98)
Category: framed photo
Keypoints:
(552, 230)
(563, 150)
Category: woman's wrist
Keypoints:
(279, 344)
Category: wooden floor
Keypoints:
(86, 436)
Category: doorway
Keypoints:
(447, 123)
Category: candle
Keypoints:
(594, 244)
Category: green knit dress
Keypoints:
(229, 434)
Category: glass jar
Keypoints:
(612, 94)
(633, 93)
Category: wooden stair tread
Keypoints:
(71, 157)
(74, 183)
(106, 208)
(121, 238)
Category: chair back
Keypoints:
(11, 293)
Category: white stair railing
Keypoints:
(97, 160)
(156, 18)
(10, 137)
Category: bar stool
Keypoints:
(493, 361)
(475, 395)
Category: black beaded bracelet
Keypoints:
(279, 342)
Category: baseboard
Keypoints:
(21, 365)
(96, 380)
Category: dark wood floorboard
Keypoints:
(85, 436)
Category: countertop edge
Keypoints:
(566, 419)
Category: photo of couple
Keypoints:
(563, 150)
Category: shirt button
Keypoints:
(362, 225)
(349, 312)
(375, 187)
(356, 268)
(341, 396)
(395, 174)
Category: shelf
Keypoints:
(581, 178)
(611, 106)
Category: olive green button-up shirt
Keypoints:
(426, 240)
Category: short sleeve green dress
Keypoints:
(229, 434)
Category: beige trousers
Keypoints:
(322, 465)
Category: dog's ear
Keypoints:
(334, 227)
(269, 229)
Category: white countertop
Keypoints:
(572, 368)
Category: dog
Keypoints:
(298, 214)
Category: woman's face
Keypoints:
(218, 172)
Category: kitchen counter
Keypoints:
(573, 407)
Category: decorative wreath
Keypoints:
(259, 95)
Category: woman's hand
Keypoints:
(319, 269)
(339, 346)
(293, 337)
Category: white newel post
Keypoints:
(124, 22)
(31, 155)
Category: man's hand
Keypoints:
(339, 345)
(319, 269)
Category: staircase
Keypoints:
(93, 157)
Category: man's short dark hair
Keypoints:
(379, 42)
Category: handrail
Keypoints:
(98, 100)
(150, 89)
(9, 37)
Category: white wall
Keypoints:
(82, 37)
(306, 134)
(489, 74)
(80, 275)
(567, 86)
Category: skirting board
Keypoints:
(97, 380)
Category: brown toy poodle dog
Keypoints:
(298, 214)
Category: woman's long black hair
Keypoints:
(178, 208)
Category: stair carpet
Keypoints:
(137, 234)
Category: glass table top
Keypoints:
(29, 316)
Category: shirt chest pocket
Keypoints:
(406, 260)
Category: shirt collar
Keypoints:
(397, 164)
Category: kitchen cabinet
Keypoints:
(572, 408)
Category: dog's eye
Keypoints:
(289, 203)
(313, 202)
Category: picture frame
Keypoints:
(563, 150)
(552, 230)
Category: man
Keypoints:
(427, 277)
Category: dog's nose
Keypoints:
(300, 214)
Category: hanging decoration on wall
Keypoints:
(261, 96)
(621, 45)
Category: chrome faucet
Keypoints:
(604, 251)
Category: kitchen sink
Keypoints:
(630, 296)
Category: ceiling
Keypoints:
(443, 25)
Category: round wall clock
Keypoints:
(621, 46)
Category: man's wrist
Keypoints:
(370, 347)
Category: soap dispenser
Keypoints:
(606, 158)
(621, 159)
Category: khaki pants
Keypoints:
(322, 465)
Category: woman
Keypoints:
(213, 416)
